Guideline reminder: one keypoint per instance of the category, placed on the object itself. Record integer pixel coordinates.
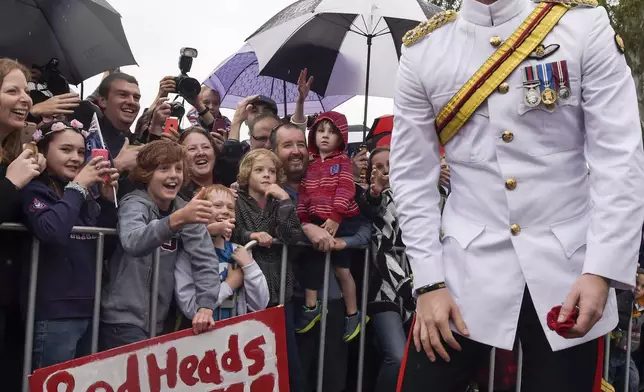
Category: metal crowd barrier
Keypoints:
(102, 232)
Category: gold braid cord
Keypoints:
(425, 28)
(572, 3)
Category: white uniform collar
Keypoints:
(491, 15)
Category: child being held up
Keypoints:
(326, 198)
(248, 277)
(153, 217)
(53, 204)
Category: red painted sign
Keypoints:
(242, 354)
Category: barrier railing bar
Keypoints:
(154, 295)
(606, 356)
(363, 319)
(96, 314)
(490, 381)
(325, 306)
(627, 364)
(31, 314)
(75, 229)
(519, 367)
(283, 274)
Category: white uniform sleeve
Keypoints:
(415, 170)
(615, 157)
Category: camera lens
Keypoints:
(189, 87)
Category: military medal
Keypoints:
(561, 80)
(531, 96)
(548, 95)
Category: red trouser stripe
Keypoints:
(403, 364)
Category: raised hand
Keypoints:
(126, 160)
(277, 192)
(304, 85)
(24, 169)
(94, 172)
(378, 181)
(59, 104)
(197, 211)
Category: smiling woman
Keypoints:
(200, 159)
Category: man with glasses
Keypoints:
(260, 130)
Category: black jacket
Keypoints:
(12, 244)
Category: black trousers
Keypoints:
(576, 369)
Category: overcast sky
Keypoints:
(158, 29)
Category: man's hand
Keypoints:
(339, 244)
(589, 293)
(197, 211)
(59, 104)
(243, 109)
(126, 160)
(166, 86)
(263, 238)
(162, 111)
(360, 163)
(304, 85)
(331, 226)
(434, 310)
(320, 238)
(202, 321)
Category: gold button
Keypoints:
(511, 184)
(504, 88)
(496, 41)
(515, 229)
(507, 136)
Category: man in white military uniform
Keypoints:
(525, 228)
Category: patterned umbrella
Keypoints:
(352, 47)
(238, 77)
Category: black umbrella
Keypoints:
(86, 36)
(342, 43)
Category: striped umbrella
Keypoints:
(343, 43)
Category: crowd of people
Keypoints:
(196, 196)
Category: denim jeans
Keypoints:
(617, 371)
(116, 335)
(292, 352)
(57, 341)
(389, 333)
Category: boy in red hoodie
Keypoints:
(326, 198)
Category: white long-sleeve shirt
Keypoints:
(253, 295)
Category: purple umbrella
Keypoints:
(238, 77)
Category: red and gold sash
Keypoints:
(497, 68)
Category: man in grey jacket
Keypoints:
(150, 219)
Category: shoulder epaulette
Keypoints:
(425, 28)
(572, 3)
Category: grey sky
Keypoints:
(157, 29)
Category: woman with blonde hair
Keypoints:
(17, 169)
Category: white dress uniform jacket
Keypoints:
(569, 222)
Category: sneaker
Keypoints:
(308, 318)
(352, 327)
